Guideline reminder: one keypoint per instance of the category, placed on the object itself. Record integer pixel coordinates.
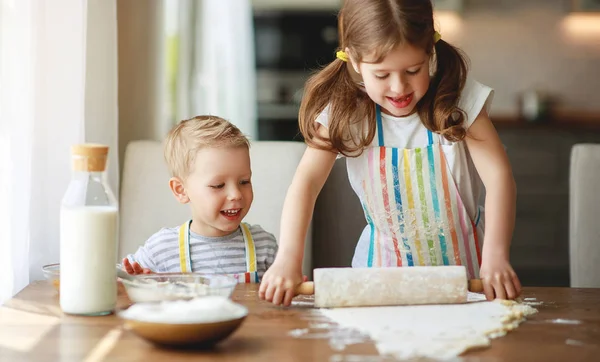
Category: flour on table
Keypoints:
(432, 331)
(209, 309)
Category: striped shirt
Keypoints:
(222, 255)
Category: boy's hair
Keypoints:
(376, 27)
(189, 136)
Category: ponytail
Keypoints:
(439, 109)
(349, 109)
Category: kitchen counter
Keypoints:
(32, 328)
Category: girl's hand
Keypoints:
(279, 283)
(499, 279)
(134, 268)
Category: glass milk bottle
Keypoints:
(88, 236)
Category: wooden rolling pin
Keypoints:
(356, 287)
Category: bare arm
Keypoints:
(312, 172)
(280, 280)
(494, 168)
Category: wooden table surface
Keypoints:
(33, 328)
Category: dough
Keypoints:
(433, 331)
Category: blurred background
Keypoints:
(541, 57)
(118, 71)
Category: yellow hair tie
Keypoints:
(341, 55)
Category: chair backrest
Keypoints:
(584, 216)
(147, 204)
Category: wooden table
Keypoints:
(33, 328)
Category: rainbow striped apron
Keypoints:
(415, 215)
(251, 274)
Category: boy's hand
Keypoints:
(279, 283)
(134, 268)
(499, 279)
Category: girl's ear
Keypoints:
(352, 60)
(432, 63)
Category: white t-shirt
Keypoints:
(409, 132)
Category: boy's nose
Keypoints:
(235, 194)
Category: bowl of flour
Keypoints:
(198, 323)
(177, 286)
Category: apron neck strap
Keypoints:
(379, 125)
(430, 137)
(185, 261)
(380, 129)
(251, 266)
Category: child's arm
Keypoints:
(142, 262)
(490, 159)
(135, 267)
(285, 274)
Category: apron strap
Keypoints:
(250, 249)
(379, 124)
(430, 138)
(185, 262)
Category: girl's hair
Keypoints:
(368, 27)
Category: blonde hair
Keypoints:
(377, 27)
(189, 136)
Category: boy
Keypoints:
(209, 161)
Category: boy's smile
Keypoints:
(219, 190)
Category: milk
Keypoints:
(88, 253)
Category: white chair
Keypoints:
(147, 204)
(584, 216)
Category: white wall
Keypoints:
(142, 92)
(531, 44)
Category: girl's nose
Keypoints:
(397, 84)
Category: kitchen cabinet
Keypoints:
(585, 6)
(451, 5)
(448, 5)
(333, 5)
(540, 158)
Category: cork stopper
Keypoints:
(89, 157)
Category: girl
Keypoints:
(398, 104)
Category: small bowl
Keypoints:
(182, 334)
(177, 286)
(52, 274)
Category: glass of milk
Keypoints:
(88, 236)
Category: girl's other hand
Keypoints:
(499, 279)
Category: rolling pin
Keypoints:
(358, 287)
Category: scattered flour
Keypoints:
(431, 331)
(565, 321)
(574, 342)
(209, 309)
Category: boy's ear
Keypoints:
(176, 186)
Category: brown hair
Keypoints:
(377, 27)
(189, 136)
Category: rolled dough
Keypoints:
(432, 331)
